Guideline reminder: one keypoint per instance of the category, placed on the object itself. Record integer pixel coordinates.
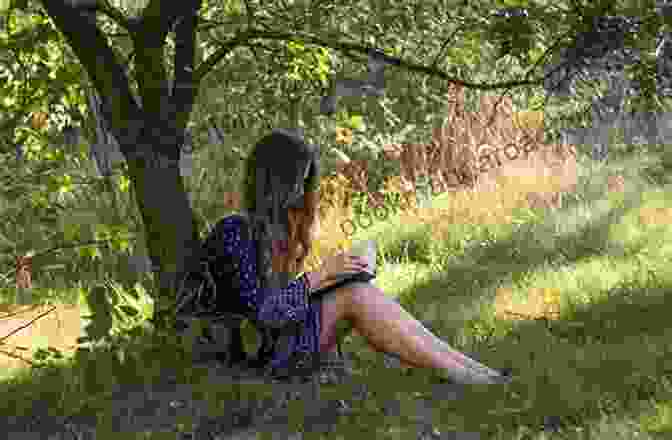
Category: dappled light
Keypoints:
(513, 179)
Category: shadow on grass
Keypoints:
(513, 257)
(573, 368)
(42, 399)
(616, 333)
(607, 356)
(610, 356)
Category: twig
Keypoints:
(17, 313)
(14, 356)
(26, 325)
(77, 245)
(445, 44)
(6, 275)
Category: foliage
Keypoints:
(114, 309)
(298, 65)
(514, 32)
(631, 47)
(38, 73)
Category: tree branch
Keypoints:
(250, 14)
(16, 330)
(246, 37)
(108, 77)
(459, 28)
(207, 65)
(158, 18)
(116, 15)
(150, 68)
(184, 91)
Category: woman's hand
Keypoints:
(341, 264)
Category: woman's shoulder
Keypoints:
(230, 223)
(232, 220)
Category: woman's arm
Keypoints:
(314, 279)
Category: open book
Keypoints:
(366, 249)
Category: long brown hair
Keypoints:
(281, 195)
(301, 223)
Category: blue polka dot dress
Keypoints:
(272, 307)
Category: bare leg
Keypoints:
(391, 329)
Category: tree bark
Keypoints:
(171, 233)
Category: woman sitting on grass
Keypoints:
(272, 239)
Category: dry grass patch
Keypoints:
(59, 328)
(538, 302)
(655, 216)
(493, 205)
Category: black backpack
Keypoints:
(211, 294)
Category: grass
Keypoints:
(576, 303)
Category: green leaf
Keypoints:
(121, 245)
(56, 353)
(40, 354)
(356, 122)
(91, 252)
(124, 183)
(129, 311)
(101, 231)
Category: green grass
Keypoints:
(602, 368)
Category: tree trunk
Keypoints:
(171, 233)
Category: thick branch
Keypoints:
(207, 65)
(246, 37)
(184, 90)
(108, 77)
(159, 16)
(151, 75)
(158, 19)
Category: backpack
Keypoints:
(211, 294)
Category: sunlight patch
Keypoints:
(537, 303)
